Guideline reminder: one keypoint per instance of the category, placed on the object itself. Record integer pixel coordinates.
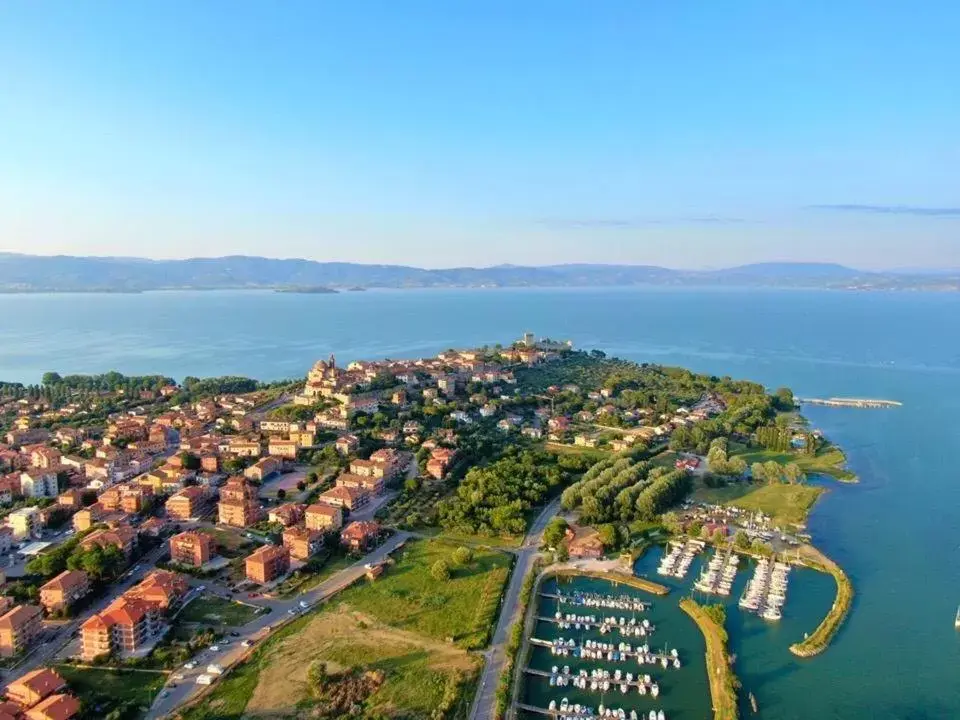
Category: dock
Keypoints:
(636, 683)
(851, 402)
(604, 625)
(611, 653)
(599, 601)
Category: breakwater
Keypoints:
(851, 402)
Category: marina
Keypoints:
(766, 592)
(599, 680)
(717, 578)
(630, 627)
(565, 710)
(621, 652)
(599, 600)
(677, 561)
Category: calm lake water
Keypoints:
(896, 533)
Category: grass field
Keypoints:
(419, 674)
(723, 684)
(230, 542)
(829, 460)
(102, 690)
(303, 579)
(595, 454)
(216, 612)
(786, 504)
(409, 598)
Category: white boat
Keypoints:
(660, 715)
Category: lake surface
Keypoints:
(896, 533)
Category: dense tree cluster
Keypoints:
(666, 490)
(227, 384)
(496, 499)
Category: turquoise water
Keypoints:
(895, 532)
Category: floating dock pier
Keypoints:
(851, 402)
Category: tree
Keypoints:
(740, 540)
(719, 536)
(793, 473)
(608, 535)
(563, 552)
(281, 494)
(301, 486)
(555, 531)
(773, 471)
(784, 399)
(736, 466)
(440, 571)
(462, 556)
(189, 461)
(758, 472)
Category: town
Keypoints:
(144, 519)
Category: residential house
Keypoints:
(191, 502)
(439, 462)
(45, 458)
(349, 498)
(191, 548)
(35, 686)
(372, 485)
(267, 563)
(283, 448)
(88, 517)
(64, 590)
(122, 537)
(62, 706)
(320, 516)
(263, 468)
(302, 543)
(244, 447)
(390, 460)
(239, 505)
(360, 535)
(347, 444)
(287, 515)
(18, 628)
(302, 437)
(124, 627)
(72, 499)
(37, 483)
(25, 523)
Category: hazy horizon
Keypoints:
(439, 135)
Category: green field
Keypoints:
(408, 597)
(216, 612)
(101, 690)
(786, 504)
(312, 574)
(829, 460)
(416, 676)
(595, 454)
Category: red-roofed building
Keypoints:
(18, 628)
(360, 536)
(64, 590)
(56, 707)
(349, 498)
(35, 686)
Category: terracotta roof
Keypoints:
(65, 581)
(360, 529)
(55, 707)
(41, 682)
(19, 616)
(9, 711)
(321, 509)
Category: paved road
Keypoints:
(485, 701)
(182, 684)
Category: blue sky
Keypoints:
(474, 133)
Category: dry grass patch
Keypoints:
(417, 672)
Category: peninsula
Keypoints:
(427, 496)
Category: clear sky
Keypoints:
(688, 134)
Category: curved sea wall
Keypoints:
(819, 639)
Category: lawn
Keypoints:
(230, 542)
(417, 675)
(829, 460)
(216, 612)
(462, 608)
(102, 690)
(786, 504)
(595, 454)
(312, 574)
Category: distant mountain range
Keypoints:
(33, 273)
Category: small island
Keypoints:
(308, 290)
